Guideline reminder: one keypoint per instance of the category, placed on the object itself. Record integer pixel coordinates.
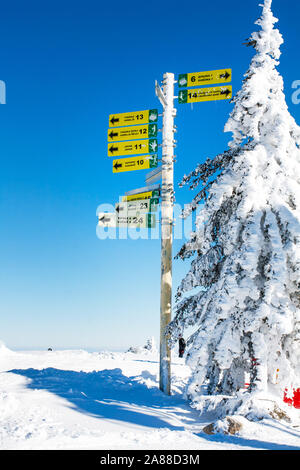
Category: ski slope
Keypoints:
(73, 399)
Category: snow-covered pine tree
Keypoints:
(245, 317)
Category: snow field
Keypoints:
(79, 400)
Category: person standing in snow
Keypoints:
(182, 346)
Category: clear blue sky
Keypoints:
(67, 65)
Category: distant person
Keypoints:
(182, 345)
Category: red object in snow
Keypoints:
(295, 400)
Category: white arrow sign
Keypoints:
(107, 219)
(136, 207)
(142, 220)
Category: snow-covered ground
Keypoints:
(73, 399)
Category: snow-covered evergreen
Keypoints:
(245, 318)
(149, 347)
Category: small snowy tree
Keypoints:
(245, 317)
(151, 345)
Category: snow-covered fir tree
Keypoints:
(245, 316)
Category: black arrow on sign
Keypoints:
(118, 209)
(225, 75)
(103, 219)
(117, 165)
(225, 92)
(113, 134)
(113, 120)
(112, 149)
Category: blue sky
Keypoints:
(67, 65)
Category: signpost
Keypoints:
(135, 117)
(132, 147)
(166, 98)
(204, 78)
(133, 136)
(135, 163)
(195, 95)
(132, 132)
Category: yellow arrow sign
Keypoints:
(138, 220)
(139, 196)
(135, 163)
(204, 78)
(132, 148)
(135, 117)
(132, 132)
(205, 94)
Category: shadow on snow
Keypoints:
(111, 395)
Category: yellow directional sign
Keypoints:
(139, 196)
(135, 117)
(132, 148)
(135, 163)
(204, 78)
(132, 132)
(195, 95)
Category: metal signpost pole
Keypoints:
(167, 99)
